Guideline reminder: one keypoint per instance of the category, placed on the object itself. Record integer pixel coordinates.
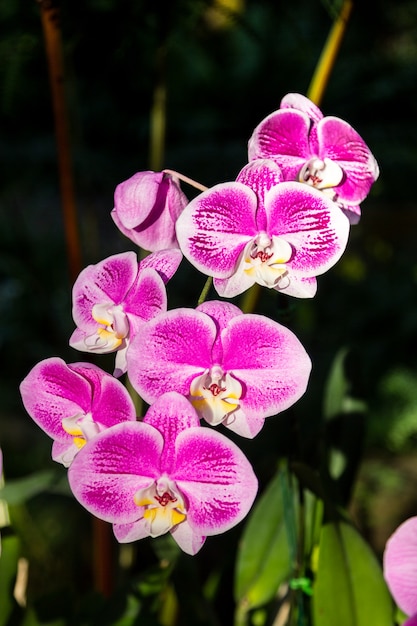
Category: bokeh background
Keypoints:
(223, 69)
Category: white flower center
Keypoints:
(163, 506)
(265, 259)
(321, 174)
(215, 395)
(113, 329)
(81, 427)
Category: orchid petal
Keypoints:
(169, 351)
(215, 227)
(135, 197)
(216, 478)
(268, 360)
(108, 281)
(165, 262)
(146, 298)
(313, 225)
(284, 137)
(341, 143)
(112, 467)
(171, 415)
(221, 313)
(400, 565)
(301, 103)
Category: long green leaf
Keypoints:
(264, 558)
(349, 588)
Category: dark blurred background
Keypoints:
(223, 69)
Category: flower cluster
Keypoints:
(280, 224)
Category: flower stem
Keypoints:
(187, 180)
(329, 53)
(205, 290)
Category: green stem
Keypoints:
(205, 290)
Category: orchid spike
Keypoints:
(146, 207)
(258, 229)
(164, 474)
(73, 403)
(324, 152)
(111, 300)
(236, 369)
(400, 568)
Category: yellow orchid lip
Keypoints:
(215, 395)
(164, 506)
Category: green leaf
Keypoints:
(264, 558)
(350, 589)
(10, 552)
(337, 400)
(21, 489)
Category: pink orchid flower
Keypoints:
(73, 403)
(324, 152)
(400, 568)
(111, 299)
(235, 368)
(146, 207)
(164, 474)
(260, 230)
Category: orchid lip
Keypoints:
(215, 395)
(113, 329)
(265, 259)
(81, 427)
(163, 506)
(322, 174)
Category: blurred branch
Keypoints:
(53, 45)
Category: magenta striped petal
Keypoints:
(269, 360)
(171, 417)
(54, 391)
(107, 281)
(215, 227)
(341, 143)
(147, 297)
(284, 137)
(227, 485)
(400, 565)
(301, 103)
(165, 262)
(107, 473)
(314, 226)
(169, 351)
(221, 313)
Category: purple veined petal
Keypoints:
(188, 538)
(260, 175)
(244, 425)
(147, 297)
(52, 391)
(64, 453)
(169, 351)
(400, 565)
(301, 103)
(284, 137)
(134, 531)
(268, 360)
(111, 468)
(170, 414)
(233, 286)
(165, 262)
(110, 400)
(216, 479)
(221, 313)
(341, 143)
(298, 286)
(135, 197)
(311, 223)
(146, 209)
(215, 227)
(107, 281)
